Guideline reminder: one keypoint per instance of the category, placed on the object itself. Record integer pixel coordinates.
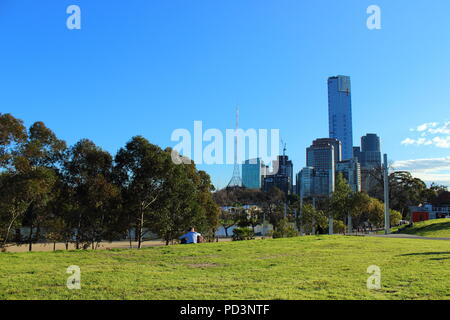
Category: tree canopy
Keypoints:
(85, 195)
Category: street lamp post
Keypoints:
(387, 223)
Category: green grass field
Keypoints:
(297, 268)
(439, 228)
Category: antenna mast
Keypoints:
(236, 180)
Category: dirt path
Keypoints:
(40, 247)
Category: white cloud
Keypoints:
(440, 135)
(444, 129)
(408, 141)
(429, 170)
(426, 126)
(423, 142)
(442, 142)
(423, 164)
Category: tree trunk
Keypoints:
(14, 217)
(77, 245)
(30, 238)
(129, 236)
(54, 246)
(141, 223)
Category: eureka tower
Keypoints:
(340, 113)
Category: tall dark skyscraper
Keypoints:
(369, 156)
(283, 178)
(370, 151)
(340, 113)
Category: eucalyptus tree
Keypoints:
(12, 134)
(311, 219)
(88, 172)
(227, 219)
(39, 157)
(21, 193)
(359, 207)
(12, 205)
(179, 207)
(376, 213)
(30, 162)
(142, 170)
(273, 206)
(212, 210)
(340, 202)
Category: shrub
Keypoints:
(395, 217)
(339, 226)
(240, 234)
(284, 229)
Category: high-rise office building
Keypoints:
(305, 182)
(279, 181)
(321, 156)
(340, 113)
(326, 142)
(282, 177)
(253, 173)
(285, 167)
(370, 151)
(369, 156)
(357, 153)
(351, 170)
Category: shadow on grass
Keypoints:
(427, 228)
(429, 254)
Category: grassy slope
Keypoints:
(439, 228)
(298, 268)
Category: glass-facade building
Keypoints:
(282, 175)
(369, 155)
(321, 156)
(340, 113)
(305, 182)
(351, 170)
(253, 173)
(370, 151)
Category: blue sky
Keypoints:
(150, 67)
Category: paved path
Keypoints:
(405, 236)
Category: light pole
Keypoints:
(387, 223)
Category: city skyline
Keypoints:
(146, 69)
